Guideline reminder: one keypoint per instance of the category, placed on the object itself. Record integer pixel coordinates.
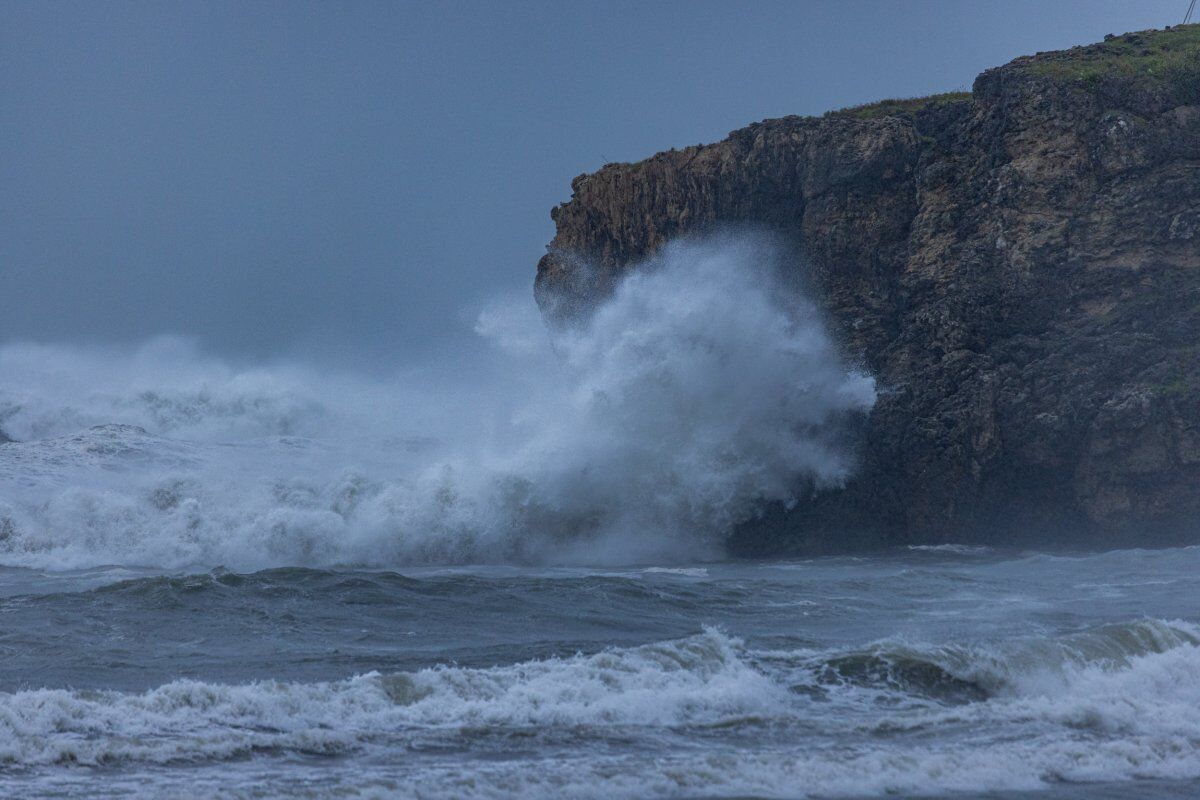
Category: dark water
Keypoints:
(919, 673)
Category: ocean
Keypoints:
(950, 671)
(281, 580)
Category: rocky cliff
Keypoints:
(1018, 266)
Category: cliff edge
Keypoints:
(1019, 267)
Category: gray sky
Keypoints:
(338, 179)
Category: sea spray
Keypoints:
(700, 389)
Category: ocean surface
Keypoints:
(274, 580)
(948, 671)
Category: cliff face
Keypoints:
(1019, 267)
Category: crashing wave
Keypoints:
(647, 432)
(1109, 704)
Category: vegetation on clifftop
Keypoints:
(905, 107)
(1146, 57)
(1139, 60)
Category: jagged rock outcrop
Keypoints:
(1019, 267)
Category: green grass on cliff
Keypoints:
(900, 107)
(1171, 57)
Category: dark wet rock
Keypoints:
(1018, 266)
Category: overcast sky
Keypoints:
(353, 178)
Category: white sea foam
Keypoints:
(953, 549)
(1097, 719)
(700, 680)
(691, 572)
(649, 430)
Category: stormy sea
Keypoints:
(272, 580)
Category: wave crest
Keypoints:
(1103, 718)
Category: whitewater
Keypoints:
(270, 580)
(648, 431)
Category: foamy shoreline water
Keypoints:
(973, 690)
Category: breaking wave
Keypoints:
(1108, 704)
(701, 389)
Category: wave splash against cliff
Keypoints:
(699, 390)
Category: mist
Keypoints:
(649, 430)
